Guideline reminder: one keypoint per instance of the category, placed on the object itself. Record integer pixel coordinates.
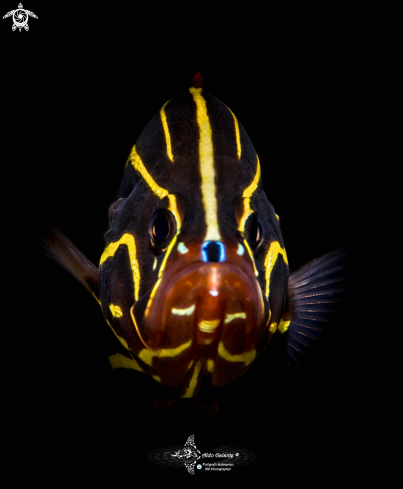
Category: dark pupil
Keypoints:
(255, 230)
(161, 227)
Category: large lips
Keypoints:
(206, 304)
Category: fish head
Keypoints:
(194, 274)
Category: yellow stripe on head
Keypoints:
(270, 260)
(237, 135)
(247, 211)
(248, 192)
(166, 132)
(128, 240)
(173, 207)
(206, 164)
(139, 166)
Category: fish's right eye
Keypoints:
(162, 228)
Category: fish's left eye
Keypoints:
(255, 232)
(162, 228)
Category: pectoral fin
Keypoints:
(316, 295)
(58, 247)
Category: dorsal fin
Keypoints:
(197, 80)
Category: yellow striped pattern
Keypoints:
(128, 240)
(120, 361)
(270, 260)
(251, 257)
(162, 267)
(183, 312)
(193, 381)
(283, 326)
(248, 192)
(161, 192)
(237, 135)
(123, 342)
(208, 326)
(273, 327)
(138, 165)
(116, 311)
(173, 207)
(136, 326)
(246, 357)
(247, 211)
(166, 132)
(148, 355)
(207, 171)
(231, 317)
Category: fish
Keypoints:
(194, 280)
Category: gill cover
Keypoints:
(193, 278)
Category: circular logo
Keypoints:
(199, 466)
(20, 17)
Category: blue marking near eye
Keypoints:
(213, 251)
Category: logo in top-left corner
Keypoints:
(20, 17)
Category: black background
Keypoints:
(78, 88)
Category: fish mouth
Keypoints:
(212, 313)
(199, 303)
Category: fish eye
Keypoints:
(255, 231)
(162, 228)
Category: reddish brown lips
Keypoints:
(206, 303)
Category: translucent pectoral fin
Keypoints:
(58, 247)
(317, 294)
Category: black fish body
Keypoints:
(194, 278)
